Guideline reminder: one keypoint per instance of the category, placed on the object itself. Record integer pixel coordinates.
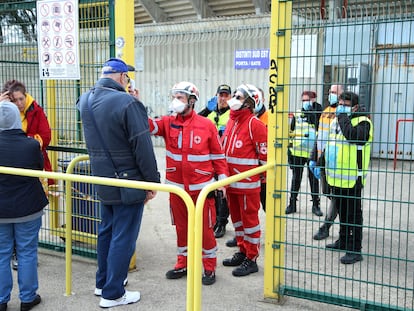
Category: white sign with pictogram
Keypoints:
(58, 35)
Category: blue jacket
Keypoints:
(123, 124)
(20, 196)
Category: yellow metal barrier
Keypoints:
(198, 229)
(117, 183)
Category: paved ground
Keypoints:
(156, 254)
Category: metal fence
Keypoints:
(367, 46)
(19, 60)
(372, 54)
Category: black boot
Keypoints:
(291, 207)
(316, 208)
(323, 232)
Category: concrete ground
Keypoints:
(156, 251)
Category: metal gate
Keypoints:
(19, 61)
(368, 47)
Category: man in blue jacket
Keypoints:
(117, 137)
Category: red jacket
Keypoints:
(37, 125)
(245, 147)
(194, 153)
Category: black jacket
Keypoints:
(122, 121)
(20, 196)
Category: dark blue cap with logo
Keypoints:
(116, 65)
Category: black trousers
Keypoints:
(349, 205)
(297, 165)
(222, 210)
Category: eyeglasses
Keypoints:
(128, 78)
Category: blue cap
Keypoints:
(116, 65)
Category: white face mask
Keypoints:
(235, 104)
(177, 106)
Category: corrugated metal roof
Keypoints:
(159, 11)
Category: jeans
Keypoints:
(117, 236)
(25, 237)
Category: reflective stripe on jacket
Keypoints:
(194, 154)
(325, 121)
(245, 145)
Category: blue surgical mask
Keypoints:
(307, 105)
(344, 109)
(333, 99)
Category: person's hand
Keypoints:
(212, 103)
(4, 96)
(222, 189)
(316, 170)
(133, 92)
(150, 195)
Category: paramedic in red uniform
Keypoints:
(245, 146)
(194, 155)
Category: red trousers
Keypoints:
(179, 219)
(244, 212)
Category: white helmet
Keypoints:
(251, 91)
(187, 88)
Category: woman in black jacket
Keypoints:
(22, 200)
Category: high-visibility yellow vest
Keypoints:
(221, 121)
(327, 116)
(341, 163)
(303, 137)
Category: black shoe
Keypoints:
(291, 208)
(234, 261)
(231, 243)
(26, 306)
(322, 233)
(247, 266)
(209, 278)
(176, 273)
(335, 246)
(3, 306)
(351, 258)
(316, 210)
(220, 231)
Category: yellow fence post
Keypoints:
(124, 49)
(279, 77)
(195, 259)
(115, 183)
(51, 116)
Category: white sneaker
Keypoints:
(98, 291)
(127, 298)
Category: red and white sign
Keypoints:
(58, 40)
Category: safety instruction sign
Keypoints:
(57, 37)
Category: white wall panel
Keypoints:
(201, 56)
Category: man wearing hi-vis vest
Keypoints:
(347, 156)
(303, 129)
